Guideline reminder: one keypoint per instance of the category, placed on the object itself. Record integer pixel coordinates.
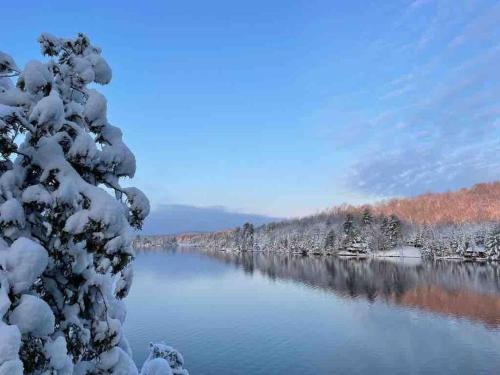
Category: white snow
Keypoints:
(117, 361)
(7, 110)
(33, 316)
(351, 254)
(83, 68)
(85, 148)
(35, 76)
(115, 155)
(11, 212)
(4, 296)
(10, 341)
(49, 111)
(137, 201)
(23, 263)
(5, 84)
(13, 367)
(125, 364)
(102, 70)
(58, 355)
(7, 64)
(37, 194)
(403, 252)
(109, 359)
(156, 366)
(95, 108)
(163, 360)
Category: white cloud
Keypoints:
(446, 134)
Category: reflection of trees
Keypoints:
(427, 285)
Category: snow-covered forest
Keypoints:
(457, 228)
(477, 204)
(65, 219)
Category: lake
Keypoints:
(254, 313)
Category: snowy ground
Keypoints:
(352, 255)
(403, 252)
(399, 252)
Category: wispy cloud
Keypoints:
(442, 129)
(429, 168)
(483, 26)
(419, 3)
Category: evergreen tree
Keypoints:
(384, 242)
(367, 218)
(418, 240)
(330, 240)
(493, 244)
(480, 237)
(65, 249)
(394, 231)
(355, 243)
(384, 225)
(390, 233)
(348, 224)
(353, 240)
(247, 234)
(238, 239)
(454, 243)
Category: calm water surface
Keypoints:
(280, 314)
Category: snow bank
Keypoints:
(403, 252)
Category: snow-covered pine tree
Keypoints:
(355, 243)
(353, 240)
(247, 238)
(393, 231)
(65, 254)
(493, 243)
(367, 217)
(330, 241)
(348, 224)
(383, 237)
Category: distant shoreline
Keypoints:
(407, 253)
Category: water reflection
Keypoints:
(463, 289)
(261, 314)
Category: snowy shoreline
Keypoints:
(406, 252)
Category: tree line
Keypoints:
(356, 232)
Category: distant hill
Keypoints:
(480, 203)
(177, 218)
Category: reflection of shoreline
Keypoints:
(468, 290)
(464, 304)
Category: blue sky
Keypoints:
(287, 107)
